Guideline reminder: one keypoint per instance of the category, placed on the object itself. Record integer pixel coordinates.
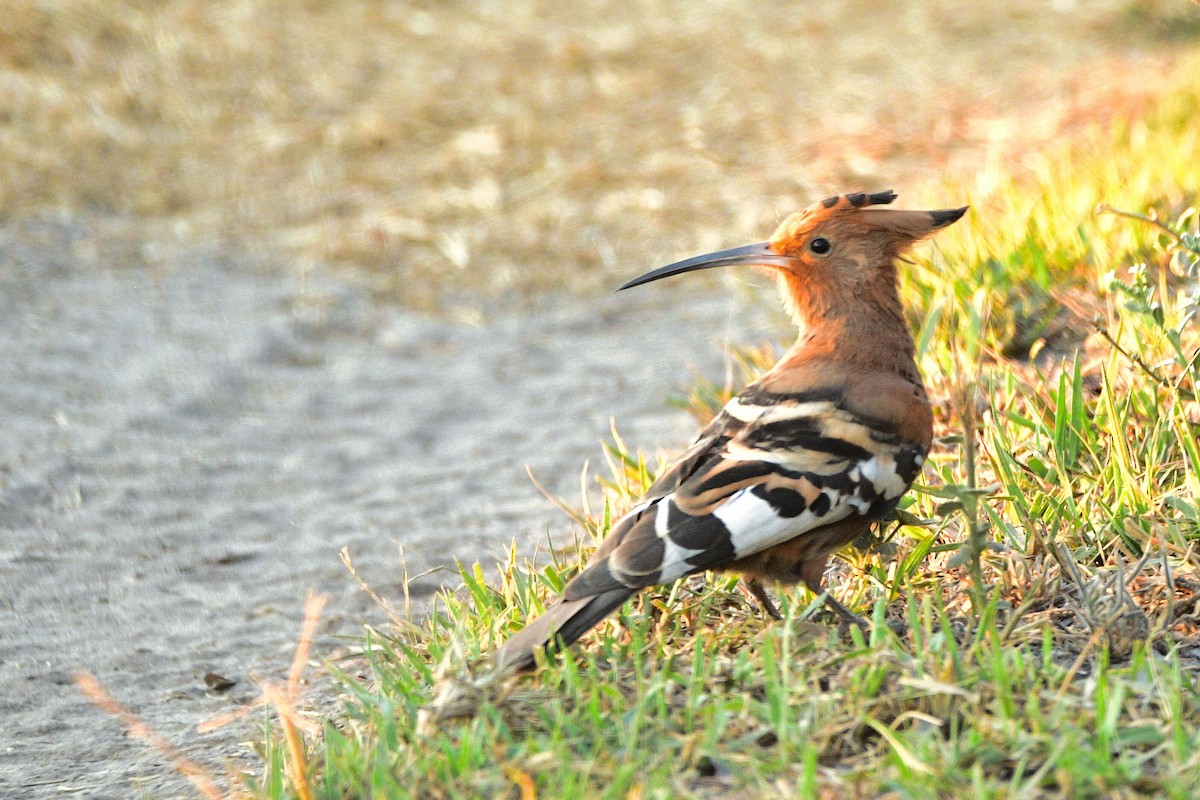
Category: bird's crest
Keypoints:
(855, 200)
(858, 216)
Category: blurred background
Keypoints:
(455, 151)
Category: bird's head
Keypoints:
(843, 241)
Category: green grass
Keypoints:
(1068, 666)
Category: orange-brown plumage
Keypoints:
(804, 459)
(845, 301)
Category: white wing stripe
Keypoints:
(748, 412)
(754, 526)
(675, 564)
(661, 515)
(882, 472)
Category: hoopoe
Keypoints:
(805, 458)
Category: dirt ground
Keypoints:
(188, 445)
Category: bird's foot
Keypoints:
(753, 588)
(849, 618)
(846, 616)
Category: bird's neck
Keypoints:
(863, 326)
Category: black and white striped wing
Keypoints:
(776, 466)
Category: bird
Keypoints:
(805, 458)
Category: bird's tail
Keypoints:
(563, 623)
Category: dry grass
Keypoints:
(201, 781)
(286, 700)
(535, 145)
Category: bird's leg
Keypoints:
(752, 587)
(847, 616)
(812, 571)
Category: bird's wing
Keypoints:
(772, 466)
(711, 439)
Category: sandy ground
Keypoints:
(189, 441)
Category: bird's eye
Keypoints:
(820, 245)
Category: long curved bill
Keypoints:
(759, 253)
